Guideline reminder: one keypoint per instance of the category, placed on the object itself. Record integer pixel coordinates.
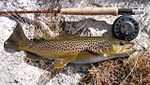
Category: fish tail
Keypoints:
(17, 39)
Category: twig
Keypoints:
(80, 28)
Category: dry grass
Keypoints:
(131, 71)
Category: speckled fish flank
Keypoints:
(66, 49)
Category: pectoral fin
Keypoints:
(60, 63)
(106, 55)
(97, 52)
(85, 54)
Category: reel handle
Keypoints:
(90, 11)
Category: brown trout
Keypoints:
(68, 49)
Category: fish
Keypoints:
(67, 49)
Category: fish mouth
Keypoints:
(127, 48)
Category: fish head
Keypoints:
(121, 46)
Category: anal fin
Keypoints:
(60, 63)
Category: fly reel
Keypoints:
(125, 28)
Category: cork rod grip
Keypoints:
(90, 11)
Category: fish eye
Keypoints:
(122, 43)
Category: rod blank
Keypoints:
(30, 11)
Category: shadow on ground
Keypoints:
(87, 27)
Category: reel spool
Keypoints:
(125, 28)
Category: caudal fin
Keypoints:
(16, 40)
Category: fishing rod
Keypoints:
(124, 27)
(83, 11)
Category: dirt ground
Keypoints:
(14, 70)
